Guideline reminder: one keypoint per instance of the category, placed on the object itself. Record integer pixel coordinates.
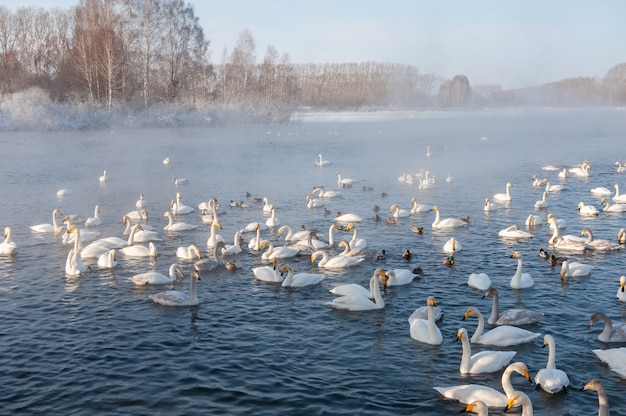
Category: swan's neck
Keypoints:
(517, 277)
(375, 291)
(324, 259)
(331, 242)
(589, 235)
(289, 235)
(431, 322)
(603, 401)
(437, 218)
(527, 408)
(257, 246)
(551, 355)
(77, 242)
(466, 357)
(170, 221)
(479, 329)
(345, 251)
(173, 272)
(555, 231)
(54, 221)
(506, 381)
(608, 328)
(289, 279)
(131, 236)
(193, 296)
(353, 241)
(495, 310)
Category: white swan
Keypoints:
(177, 226)
(489, 206)
(563, 173)
(598, 245)
(620, 168)
(452, 246)
(621, 291)
(614, 208)
(356, 244)
(214, 238)
(255, 242)
(575, 269)
(321, 161)
(166, 161)
(272, 221)
(486, 361)
(103, 177)
(178, 298)
(325, 194)
(299, 279)
(553, 188)
(570, 246)
(501, 336)
(519, 398)
(468, 393)
(615, 358)
(297, 236)
(418, 208)
(425, 330)
(281, 252)
(267, 207)
(344, 182)
(551, 379)
(543, 202)
(399, 277)
(235, 247)
(621, 236)
(446, 222)
(140, 202)
(268, 273)
(7, 247)
(603, 400)
(139, 251)
(190, 252)
(536, 181)
(396, 212)
(48, 228)
(155, 278)
(142, 234)
(363, 303)
(582, 170)
(108, 260)
(514, 232)
(314, 202)
(95, 220)
(600, 191)
(612, 332)
(74, 265)
(336, 262)
(533, 221)
(618, 197)
(348, 217)
(558, 223)
(587, 210)
(178, 208)
(480, 281)
(180, 181)
(517, 316)
(350, 289)
(520, 280)
(506, 196)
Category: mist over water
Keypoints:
(97, 345)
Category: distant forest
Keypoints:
(132, 55)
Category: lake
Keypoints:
(96, 344)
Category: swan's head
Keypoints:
(393, 207)
(603, 201)
(471, 311)
(285, 269)
(580, 205)
(616, 186)
(547, 339)
(516, 399)
(349, 227)
(435, 208)
(153, 250)
(431, 301)
(509, 184)
(57, 212)
(521, 369)
(595, 317)
(585, 231)
(478, 407)
(167, 213)
(516, 255)
(461, 334)
(195, 250)
(195, 274)
(621, 235)
(344, 243)
(593, 385)
(217, 224)
(492, 291)
(487, 202)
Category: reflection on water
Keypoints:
(96, 344)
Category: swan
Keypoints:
(103, 177)
(468, 393)
(570, 246)
(501, 336)
(350, 289)
(486, 361)
(178, 208)
(313, 203)
(140, 251)
(108, 260)
(255, 242)
(272, 221)
(615, 358)
(396, 212)
(620, 168)
(418, 208)
(513, 317)
(399, 277)
(84, 235)
(74, 265)
(95, 220)
(603, 401)
(209, 210)
(621, 293)
(190, 252)
(425, 330)
(600, 191)
(141, 234)
(63, 192)
(48, 228)
(480, 281)
(446, 222)
(598, 245)
(553, 188)
(520, 280)
(267, 207)
(235, 247)
(489, 206)
(536, 181)
(140, 202)
(345, 182)
(268, 273)
(180, 181)
(533, 220)
(621, 236)
(336, 262)
(557, 223)
(562, 174)
(519, 398)
(101, 246)
(452, 246)
(582, 170)
(514, 232)
(321, 161)
(363, 303)
(177, 226)
(7, 247)
(272, 252)
(615, 208)
(166, 161)
(299, 279)
(297, 236)
(356, 244)
(213, 237)
(325, 194)
(542, 203)
(551, 379)
(139, 215)
(155, 278)
(574, 269)
(347, 217)
(618, 197)
(612, 332)
(506, 196)
(176, 297)
(587, 210)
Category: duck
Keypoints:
(514, 232)
(399, 277)
(615, 358)
(381, 256)
(520, 280)
(178, 298)
(468, 393)
(452, 246)
(321, 162)
(356, 244)
(418, 208)
(480, 281)
(417, 229)
(396, 212)
(515, 317)
(103, 177)
(425, 330)
(48, 228)
(8, 247)
(299, 279)
(139, 250)
(357, 302)
(621, 293)
(188, 253)
(449, 261)
(603, 401)
(178, 208)
(598, 245)
(177, 226)
(614, 208)
(485, 361)
(618, 197)
(555, 261)
(551, 379)
(587, 210)
(544, 254)
(489, 206)
(504, 197)
(108, 260)
(519, 398)
(406, 255)
(268, 273)
(501, 336)
(272, 252)
(156, 278)
(95, 220)
(612, 332)
(543, 202)
(575, 269)
(446, 222)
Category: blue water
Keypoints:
(97, 345)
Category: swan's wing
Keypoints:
(519, 317)
(469, 393)
(350, 289)
(353, 303)
(491, 361)
(170, 298)
(506, 335)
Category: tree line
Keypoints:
(113, 54)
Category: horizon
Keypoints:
(514, 45)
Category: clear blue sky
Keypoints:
(511, 43)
